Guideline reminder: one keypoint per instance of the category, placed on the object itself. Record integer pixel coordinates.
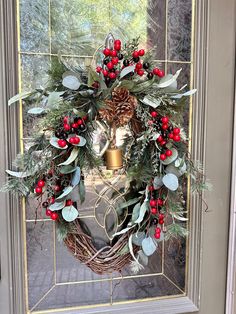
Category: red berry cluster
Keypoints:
(167, 133)
(54, 215)
(113, 57)
(157, 234)
(71, 125)
(39, 186)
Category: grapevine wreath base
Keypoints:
(127, 92)
(105, 260)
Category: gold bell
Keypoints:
(113, 158)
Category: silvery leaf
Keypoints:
(18, 174)
(53, 142)
(171, 181)
(138, 237)
(71, 82)
(168, 80)
(57, 205)
(76, 177)
(151, 101)
(36, 110)
(172, 158)
(66, 191)
(72, 157)
(127, 70)
(157, 182)
(188, 93)
(149, 246)
(143, 209)
(143, 258)
(19, 97)
(69, 213)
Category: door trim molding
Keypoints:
(12, 211)
(11, 283)
(231, 269)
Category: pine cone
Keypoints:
(120, 109)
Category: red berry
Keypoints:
(117, 42)
(159, 202)
(66, 120)
(161, 221)
(113, 53)
(157, 235)
(72, 140)
(95, 84)
(48, 212)
(110, 65)
(74, 125)
(164, 126)
(141, 52)
(171, 135)
(106, 52)
(112, 75)
(164, 119)
(176, 131)
(69, 202)
(161, 216)
(85, 118)
(151, 188)
(158, 230)
(135, 54)
(61, 143)
(162, 157)
(138, 66)
(80, 122)
(168, 152)
(163, 143)
(154, 114)
(99, 69)
(41, 183)
(140, 72)
(158, 72)
(115, 60)
(54, 216)
(57, 188)
(154, 210)
(105, 72)
(153, 203)
(176, 138)
(76, 140)
(52, 200)
(66, 127)
(160, 139)
(117, 47)
(38, 190)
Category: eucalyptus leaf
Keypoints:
(67, 169)
(71, 82)
(138, 237)
(19, 174)
(149, 246)
(75, 194)
(168, 79)
(127, 84)
(135, 213)
(57, 205)
(127, 70)
(54, 99)
(157, 182)
(171, 181)
(143, 209)
(128, 203)
(76, 177)
(186, 94)
(69, 213)
(132, 251)
(138, 88)
(66, 191)
(86, 93)
(53, 142)
(72, 157)
(151, 101)
(19, 96)
(36, 110)
(143, 258)
(123, 231)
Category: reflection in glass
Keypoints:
(79, 27)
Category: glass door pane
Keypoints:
(54, 278)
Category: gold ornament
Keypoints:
(114, 158)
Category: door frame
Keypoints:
(202, 252)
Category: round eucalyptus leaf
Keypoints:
(53, 142)
(138, 237)
(71, 82)
(143, 258)
(171, 181)
(157, 182)
(69, 213)
(148, 246)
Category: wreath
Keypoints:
(139, 112)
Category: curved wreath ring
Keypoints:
(127, 91)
